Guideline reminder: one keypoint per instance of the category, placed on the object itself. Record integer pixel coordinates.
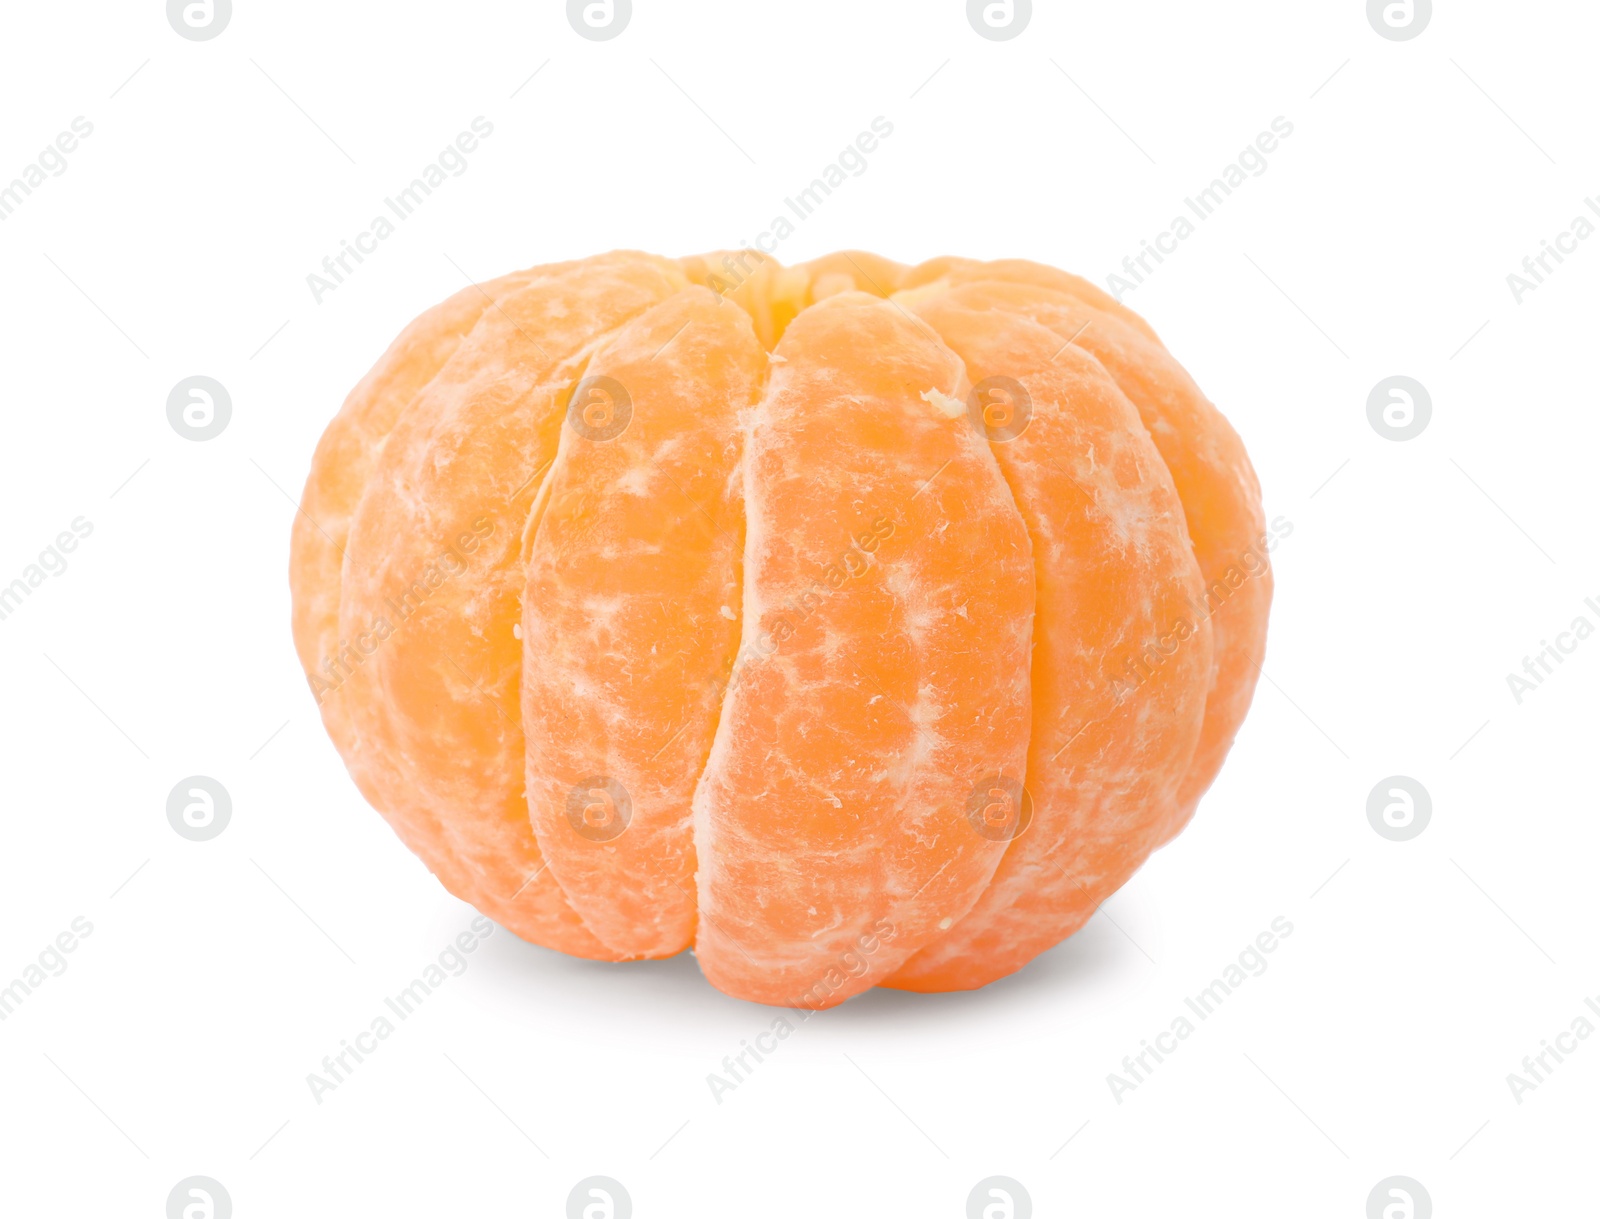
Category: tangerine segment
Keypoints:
(343, 462)
(882, 677)
(630, 618)
(941, 274)
(433, 587)
(1220, 494)
(1115, 576)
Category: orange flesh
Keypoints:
(1114, 571)
(801, 615)
(639, 538)
(885, 665)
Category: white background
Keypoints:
(218, 974)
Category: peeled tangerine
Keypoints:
(852, 624)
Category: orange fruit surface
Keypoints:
(852, 624)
